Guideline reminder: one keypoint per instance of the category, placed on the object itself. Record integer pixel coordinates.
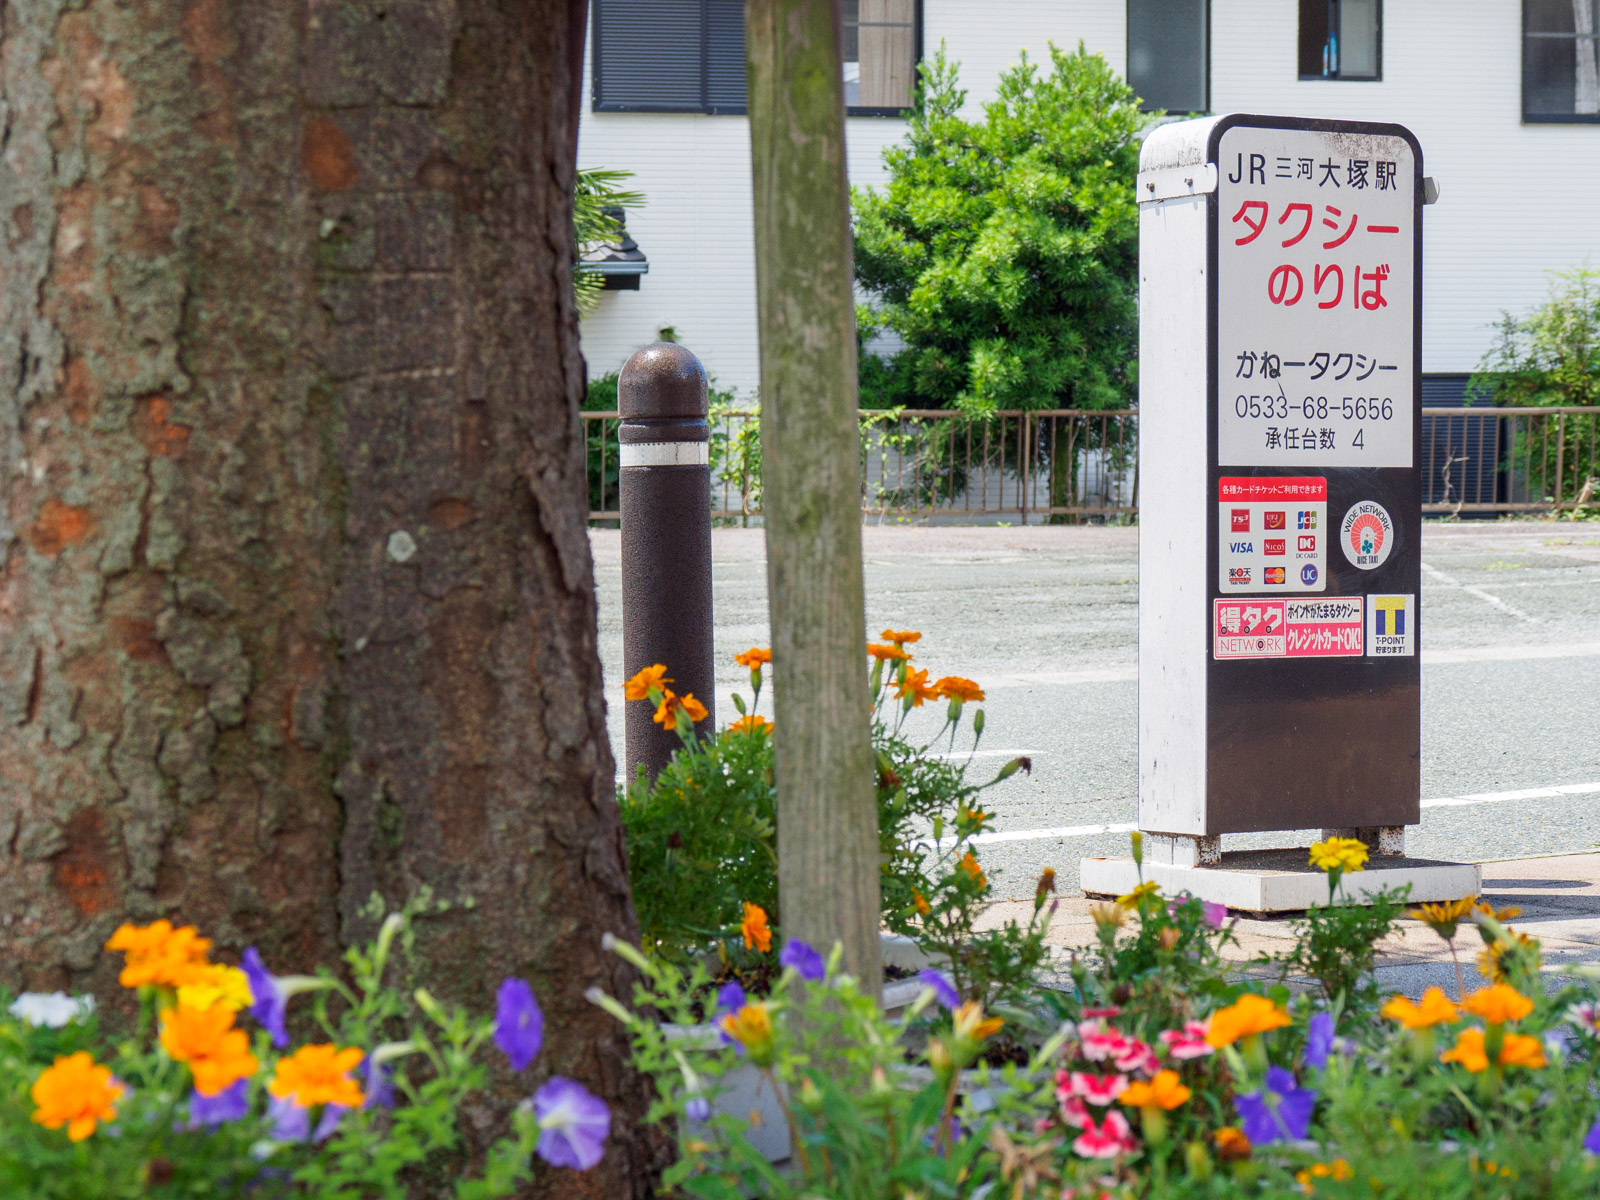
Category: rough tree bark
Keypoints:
(827, 809)
(296, 603)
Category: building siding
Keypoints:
(1517, 201)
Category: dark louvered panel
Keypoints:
(725, 88)
(648, 55)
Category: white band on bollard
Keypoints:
(666, 454)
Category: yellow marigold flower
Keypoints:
(157, 955)
(914, 687)
(319, 1074)
(970, 1023)
(1436, 1008)
(1250, 1014)
(228, 987)
(1165, 1092)
(953, 687)
(753, 658)
(893, 653)
(1500, 914)
(1490, 959)
(1338, 1170)
(1344, 854)
(969, 864)
(671, 703)
(751, 724)
(751, 1026)
(218, 1055)
(1108, 916)
(1498, 1004)
(900, 638)
(1443, 918)
(77, 1093)
(1468, 1051)
(1232, 1145)
(917, 902)
(754, 927)
(1148, 888)
(638, 688)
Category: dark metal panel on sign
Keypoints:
(1313, 681)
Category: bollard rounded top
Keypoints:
(662, 380)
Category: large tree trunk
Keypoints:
(296, 603)
(810, 437)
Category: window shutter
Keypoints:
(648, 55)
(725, 71)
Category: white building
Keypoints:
(1502, 94)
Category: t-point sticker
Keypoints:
(1256, 515)
(1367, 535)
(1391, 626)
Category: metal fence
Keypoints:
(1017, 467)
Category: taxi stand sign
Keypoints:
(1280, 332)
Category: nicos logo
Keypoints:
(1274, 546)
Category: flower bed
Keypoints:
(209, 1098)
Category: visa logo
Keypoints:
(1242, 547)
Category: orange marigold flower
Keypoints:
(971, 1024)
(1250, 1014)
(754, 927)
(77, 1093)
(953, 687)
(886, 652)
(1498, 1004)
(1436, 1008)
(1232, 1145)
(918, 903)
(157, 955)
(751, 724)
(900, 637)
(218, 1054)
(319, 1074)
(1166, 1091)
(753, 658)
(914, 687)
(1516, 1050)
(969, 864)
(671, 704)
(638, 688)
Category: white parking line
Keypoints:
(1451, 581)
(1075, 831)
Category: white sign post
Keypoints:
(1280, 505)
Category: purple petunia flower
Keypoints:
(1278, 1112)
(730, 998)
(290, 1122)
(379, 1086)
(268, 1004)
(230, 1104)
(943, 990)
(1592, 1142)
(573, 1124)
(518, 1023)
(697, 1109)
(332, 1114)
(1319, 1040)
(803, 958)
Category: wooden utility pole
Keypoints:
(827, 812)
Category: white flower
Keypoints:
(53, 1009)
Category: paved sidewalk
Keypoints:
(1559, 898)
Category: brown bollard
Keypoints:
(666, 540)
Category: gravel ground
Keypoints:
(1046, 619)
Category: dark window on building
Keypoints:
(1169, 54)
(1341, 39)
(1561, 60)
(688, 55)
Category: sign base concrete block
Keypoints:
(1277, 881)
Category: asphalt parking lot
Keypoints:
(1046, 619)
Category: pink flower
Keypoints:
(1586, 1017)
(1135, 1056)
(1041, 1126)
(1110, 1139)
(1102, 1012)
(1188, 1042)
(1098, 1042)
(1100, 1090)
(1075, 1113)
